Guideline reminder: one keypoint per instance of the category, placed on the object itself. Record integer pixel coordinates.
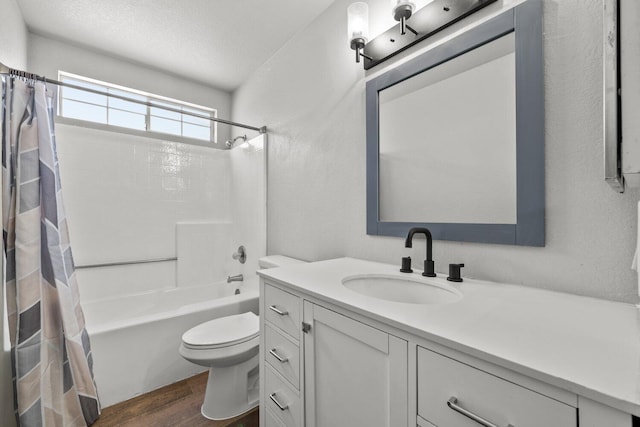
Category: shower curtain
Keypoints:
(50, 350)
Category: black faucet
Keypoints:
(454, 272)
(429, 265)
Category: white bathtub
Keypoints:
(135, 339)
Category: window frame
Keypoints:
(64, 76)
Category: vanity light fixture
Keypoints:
(402, 11)
(358, 27)
(425, 22)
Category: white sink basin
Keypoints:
(407, 289)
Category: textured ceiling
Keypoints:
(217, 42)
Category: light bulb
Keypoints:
(358, 22)
(396, 3)
(402, 9)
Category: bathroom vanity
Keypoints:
(340, 346)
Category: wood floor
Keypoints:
(171, 406)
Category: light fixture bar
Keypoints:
(425, 22)
(404, 27)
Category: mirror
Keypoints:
(455, 137)
(419, 119)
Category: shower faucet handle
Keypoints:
(240, 255)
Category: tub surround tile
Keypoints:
(204, 250)
(101, 283)
(124, 195)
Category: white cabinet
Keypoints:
(594, 414)
(282, 400)
(355, 375)
(282, 310)
(451, 393)
(271, 420)
(280, 358)
(283, 354)
(347, 370)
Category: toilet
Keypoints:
(228, 346)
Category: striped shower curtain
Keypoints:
(50, 350)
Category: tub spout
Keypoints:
(237, 278)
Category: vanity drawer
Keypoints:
(276, 390)
(271, 420)
(282, 309)
(283, 355)
(423, 423)
(501, 402)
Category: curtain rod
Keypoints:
(18, 73)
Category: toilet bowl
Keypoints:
(229, 347)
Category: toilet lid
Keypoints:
(224, 331)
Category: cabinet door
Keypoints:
(355, 375)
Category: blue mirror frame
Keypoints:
(525, 20)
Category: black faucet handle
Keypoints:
(454, 272)
(406, 265)
(429, 267)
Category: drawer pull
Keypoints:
(277, 356)
(453, 404)
(282, 407)
(278, 311)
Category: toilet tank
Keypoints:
(273, 261)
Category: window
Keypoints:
(166, 116)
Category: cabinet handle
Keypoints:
(282, 407)
(453, 404)
(278, 311)
(277, 356)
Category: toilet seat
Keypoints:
(222, 332)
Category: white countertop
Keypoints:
(584, 345)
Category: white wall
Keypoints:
(13, 53)
(311, 97)
(13, 36)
